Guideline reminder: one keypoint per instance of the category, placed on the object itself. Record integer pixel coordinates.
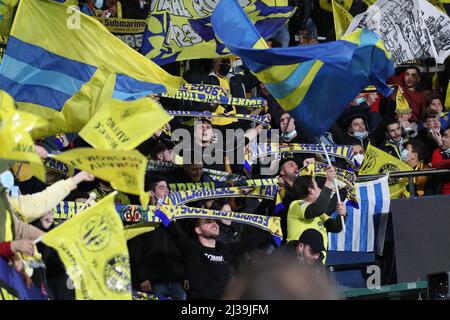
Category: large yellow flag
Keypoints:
(377, 161)
(44, 67)
(342, 19)
(15, 140)
(125, 170)
(124, 125)
(93, 249)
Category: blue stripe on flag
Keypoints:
(32, 74)
(34, 94)
(378, 206)
(28, 75)
(349, 230)
(128, 88)
(284, 88)
(364, 218)
(46, 60)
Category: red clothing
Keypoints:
(5, 249)
(438, 162)
(417, 100)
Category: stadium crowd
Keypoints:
(205, 258)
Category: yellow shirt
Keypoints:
(296, 222)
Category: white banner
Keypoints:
(410, 29)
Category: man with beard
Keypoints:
(394, 143)
(416, 99)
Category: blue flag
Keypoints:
(313, 83)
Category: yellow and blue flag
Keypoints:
(313, 83)
(53, 53)
(183, 30)
(93, 248)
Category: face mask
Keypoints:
(359, 158)
(7, 179)
(405, 155)
(290, 135)
(360, 100)
(99, 4)
(447, 151)
(361, 135)
(224, 68)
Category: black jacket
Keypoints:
(155, 257)
(208, 269)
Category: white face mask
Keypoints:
(359, 158)
(405, 155)
(7, 179)
(99, 4)
(290, 135)
(447, 151)
(361, 135)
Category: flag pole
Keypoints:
(335, 184)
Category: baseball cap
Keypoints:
(313, 238)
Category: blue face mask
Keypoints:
(361, 135)
(99, 4)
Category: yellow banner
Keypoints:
(125, 170)
(377, 161)
(342, 19)
(140, 220)
(181, 30)
(93, 249)
(123, 125)
(15, 140)
(271, 224)
(60, 167)
(257, 150)
(183, 197)
(174, 187)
